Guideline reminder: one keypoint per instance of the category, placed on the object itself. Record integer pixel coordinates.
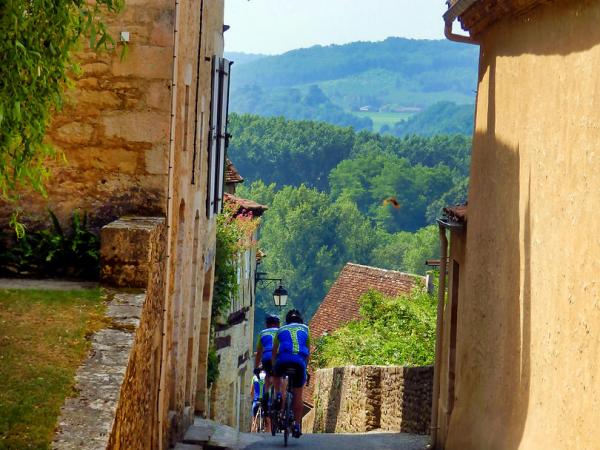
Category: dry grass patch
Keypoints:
(43, 340)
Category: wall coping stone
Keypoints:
(86, 421)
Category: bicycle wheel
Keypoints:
(256, 422)
(261, 420)
(288, 417)
(274, 414)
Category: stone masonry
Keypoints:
(358, 399)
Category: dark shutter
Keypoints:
(222, 135)
(213, 138)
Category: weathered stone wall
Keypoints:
(118, 384)
(230, 396)
(141, 244)
(114, 131)
(364, 398)
(136, 139)
(406, 394)
(86, 421)
(528, 298)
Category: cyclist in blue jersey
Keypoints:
(258, 392)
(291, 349)
(264, 350)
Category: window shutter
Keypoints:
(213, 138)
(225, 66)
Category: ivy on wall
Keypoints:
(37, 42)
(235, 230)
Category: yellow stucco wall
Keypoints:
(529, 315)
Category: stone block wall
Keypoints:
(136, 419)
(118, 384)
(230, 400)
(358, 399)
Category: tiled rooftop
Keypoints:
(477, 15)
(456, 213)
(245, 204)
(232, 176)
(341, 306)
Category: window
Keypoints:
(218, 139)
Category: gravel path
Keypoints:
(46, 285)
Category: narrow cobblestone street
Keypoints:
(208, 434)
(368, 441)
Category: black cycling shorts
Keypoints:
(298, 378)
(267, 366)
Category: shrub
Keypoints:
(393, 331)
(54, 252)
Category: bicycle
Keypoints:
(286, 422)
(258, 421)
(273, 411)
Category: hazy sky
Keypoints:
(276, 26)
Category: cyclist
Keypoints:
(291, 349)
(258, 388)
(264, 350)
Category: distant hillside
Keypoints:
(243, 58)
(440, 118)
(392, 77)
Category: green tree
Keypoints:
(307, 240)
(406, 251)
(37, 41)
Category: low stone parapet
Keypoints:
(357, 399)
(117, 386)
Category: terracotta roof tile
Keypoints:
(232, 176)
(245, 204)
(476, 16)
(456, 213)
(341, 306)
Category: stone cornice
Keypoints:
(477, 15)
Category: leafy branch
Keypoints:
(37, 42)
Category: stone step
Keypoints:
(182, 446)
(198, 434)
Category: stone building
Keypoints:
(144, 136)
(341, 305)
(519, 357)
(230, 400)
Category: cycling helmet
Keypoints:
(293, 316)
(272, 319)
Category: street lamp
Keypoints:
(280, 296)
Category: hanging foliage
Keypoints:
(37, 41)
(234, 235)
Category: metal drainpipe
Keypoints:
(170, 226)
(438, 335)
(457, 37)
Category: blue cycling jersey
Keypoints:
(293, 339)
(259, 387)
(265, 341)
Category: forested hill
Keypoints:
(332, 83)
(337, 195)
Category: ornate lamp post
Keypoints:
(280, 295)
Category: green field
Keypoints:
(383, 118)
(43, 340)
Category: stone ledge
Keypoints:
(127, 248)
(86, 421)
